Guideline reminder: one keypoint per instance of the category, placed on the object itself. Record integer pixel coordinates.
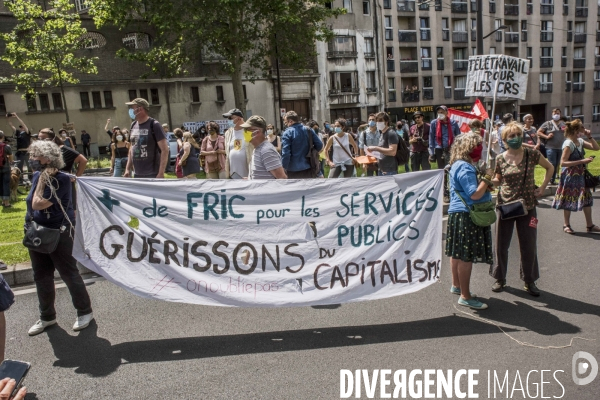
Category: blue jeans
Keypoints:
(118, 172)
(388, 173)
(554, 158)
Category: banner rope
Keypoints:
(526, 344)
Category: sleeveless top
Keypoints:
(339, 155)
(121, 152)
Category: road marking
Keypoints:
(32, 289)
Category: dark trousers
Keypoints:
(22, 158)
(86, 150)
(420, 161)
(442, 157)
(5, 184)
(306, 174)
(43, 274)
(371, 169)
(337, 171)
(527, 234)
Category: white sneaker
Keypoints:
(83, 322)
(39, 327)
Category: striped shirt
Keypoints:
(265, 158)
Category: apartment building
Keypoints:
(428, 44)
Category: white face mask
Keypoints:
(269, 131)
(556, 117)
(380, 126)
(64, 135)
(441, 117)
(120, 138)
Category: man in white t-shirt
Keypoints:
(238, 152)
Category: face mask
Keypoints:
(475, 154)
(213, 132)
(270, 132)
(441, 117)
(338, 130)
(64, 135)
(120, 138)
(231, 123)
(515, 143)
(36, 165)
(247, 136)
(372, 123)
(556, 117)
(380, 125)
(131, 113)
(326, 126)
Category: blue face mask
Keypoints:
(338, 130)
(326, 126)
(372, 123)
(131, 113)
(231, 123)
(36, 165)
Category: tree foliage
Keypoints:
(43, 47)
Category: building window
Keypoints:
(342, 46)
(347, 4)
(2, 105)
(366, 8)
(97, 99)
(108, 102)
(31, 103)
(154, 96)
(492, 50)
(195, 94)
(596, 112)
(137, 41)
(244, 90)
(220, 96)
(445, 29)
(144, 94)
(85, 100)
(92, 40)
(371, 81)
(389, 31)
(132, 94)
(81, 5)
(576, 112)
(387, 4)
(57, 101)
(345, 82)
(447, 87)
(44, 102)
(369, 50)
(391, 89)
(546, 82)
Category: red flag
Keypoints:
(462, 119)
(479, 109)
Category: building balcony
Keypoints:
(511, 9)
(424, 6)
(343, 96)
(447, 93)
(427, 93)
(546, 36)
(546, 62)
(425, 34)
(342, 54)
(459, 7)
(391, 66)
(446, 34)
(371, 90)
(407, 36)
(426, 64)
(460, 37)
(411, 97)
(440, 64)
(545, 87)
(511, 37)
(567, 86)
(578, 86)
(580, 38)
(546, 9)
(344, 91)
(459, 94)
(579, 63)
(369, 55)
(409, 66)
(581, 12)
(461, 65)
(406, 5)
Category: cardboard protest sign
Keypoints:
(504, 74)
(263, 243)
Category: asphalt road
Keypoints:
(145, 349)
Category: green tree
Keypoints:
(43, 47)
(245, 34)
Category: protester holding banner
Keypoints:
(553, 134)
(340, 158)
(515, 173)
(443, 131)
(388, 144)
(266, 161)
(418, 139)
(213, 150)
(369, 137)
(467, 243)
(49, 205)
(119, 150)
(571, 194)
(189, 157)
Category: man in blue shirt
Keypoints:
(442, 132)
(295, 147)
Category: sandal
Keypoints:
(593, 229)
(569, 230)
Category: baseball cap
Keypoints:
(232, 112)
(255, 121)
(442, 107)
(139, 102)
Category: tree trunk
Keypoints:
(168, 106)
(238, 89)
(62, 91)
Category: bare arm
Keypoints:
(106, 126)
(353, 144)
(590, 143)
(278, 147)
(112, 157)
(544, 163)
(481, 190)
(326, 150)
(542, 134)
(164, 158)
(81, 163)
(129, 165)
(186, 152)
(278, 173)
(22, 123)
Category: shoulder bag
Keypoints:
(516, 208)
(482, 214)
(40, 238)
(591, 181)
(354, 162)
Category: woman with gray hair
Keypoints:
(49, 205)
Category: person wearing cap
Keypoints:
(23, 142)
(266, 161)
(295, 146)
(85, 143)
(418, 139)
(149, 151)
(238, 152)
(442, 133)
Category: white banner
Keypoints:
(263, 243)
(510, 74)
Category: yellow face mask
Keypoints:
(247, 135)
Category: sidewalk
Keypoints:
(22, 274)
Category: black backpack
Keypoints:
(402, 153)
